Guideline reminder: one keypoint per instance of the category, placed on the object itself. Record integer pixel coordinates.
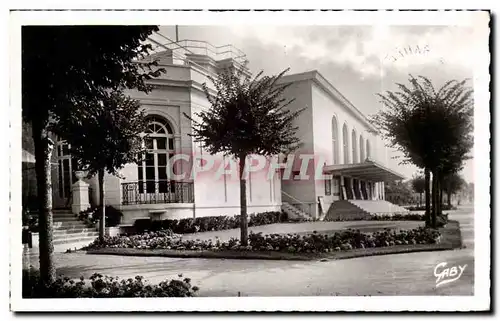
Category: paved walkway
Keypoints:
(401, 274)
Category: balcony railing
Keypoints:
(157, 192)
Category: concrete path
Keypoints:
(401, 274)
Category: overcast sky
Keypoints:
(360, 61)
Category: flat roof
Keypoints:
(367, 170)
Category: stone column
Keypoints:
(342, 189)
(352, 189)
(360, 187)
(80, 191)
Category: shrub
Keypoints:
(99, 286)
(92, 215)
(311, 243)
(208, 223)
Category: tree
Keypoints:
(418, 185)
(452, 183)
(105, 134)
(247, 116)
(431, 128)
(60, 63)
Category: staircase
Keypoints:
(294, 213)
(69, 232)
(345, 210)
(379, 207)
(361, 209)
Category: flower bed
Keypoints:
(208, 223)
(99, 286)
(292, 243)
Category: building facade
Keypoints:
(337, 141)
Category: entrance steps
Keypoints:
(69, 232)
(361, 209)
(294, 213)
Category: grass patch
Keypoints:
(450, 239)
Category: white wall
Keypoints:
(302, 190)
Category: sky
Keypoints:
(360, 61)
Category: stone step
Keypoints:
(75, 235)
(69, 225)
(65, 219)
(73, 231)
(78, 239)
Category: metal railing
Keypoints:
(300, 205)
(157, 192)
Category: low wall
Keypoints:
(176, 211)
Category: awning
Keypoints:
(27, 157)
(368, 170)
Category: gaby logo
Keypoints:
(445, 274)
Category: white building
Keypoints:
(339, 138)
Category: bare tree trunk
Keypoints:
(243, 202)
(449, 198)
(43, 152)
(427, 197)
(435, 198)
(102, 221)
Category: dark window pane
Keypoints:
(150, 159)
(139, 172)
(65, 149)
(67, 183)
(150, 187)
(150, 173)
(162, 159)
(161, 143)
(169, 129)
(60, 179)
(148, 142)
(162, 173)
(160, 129)
(171, 143)
(163, 186)
(141, 186)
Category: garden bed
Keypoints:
(449, 239)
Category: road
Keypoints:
(401, 274)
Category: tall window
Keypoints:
(362, 149)
(354, 147)
(66, 169)
(159, 144)
(345, 141)
(335, 141)
(368, 155)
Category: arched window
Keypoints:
(368, 155)
(354, 147)
(159, 144)
(345, 141)
(335, 141)
(362, 156)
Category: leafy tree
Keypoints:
(431, 128)
(60, 63)
(418, 185)
(452, 183)
(105, 135)
(247, 116)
